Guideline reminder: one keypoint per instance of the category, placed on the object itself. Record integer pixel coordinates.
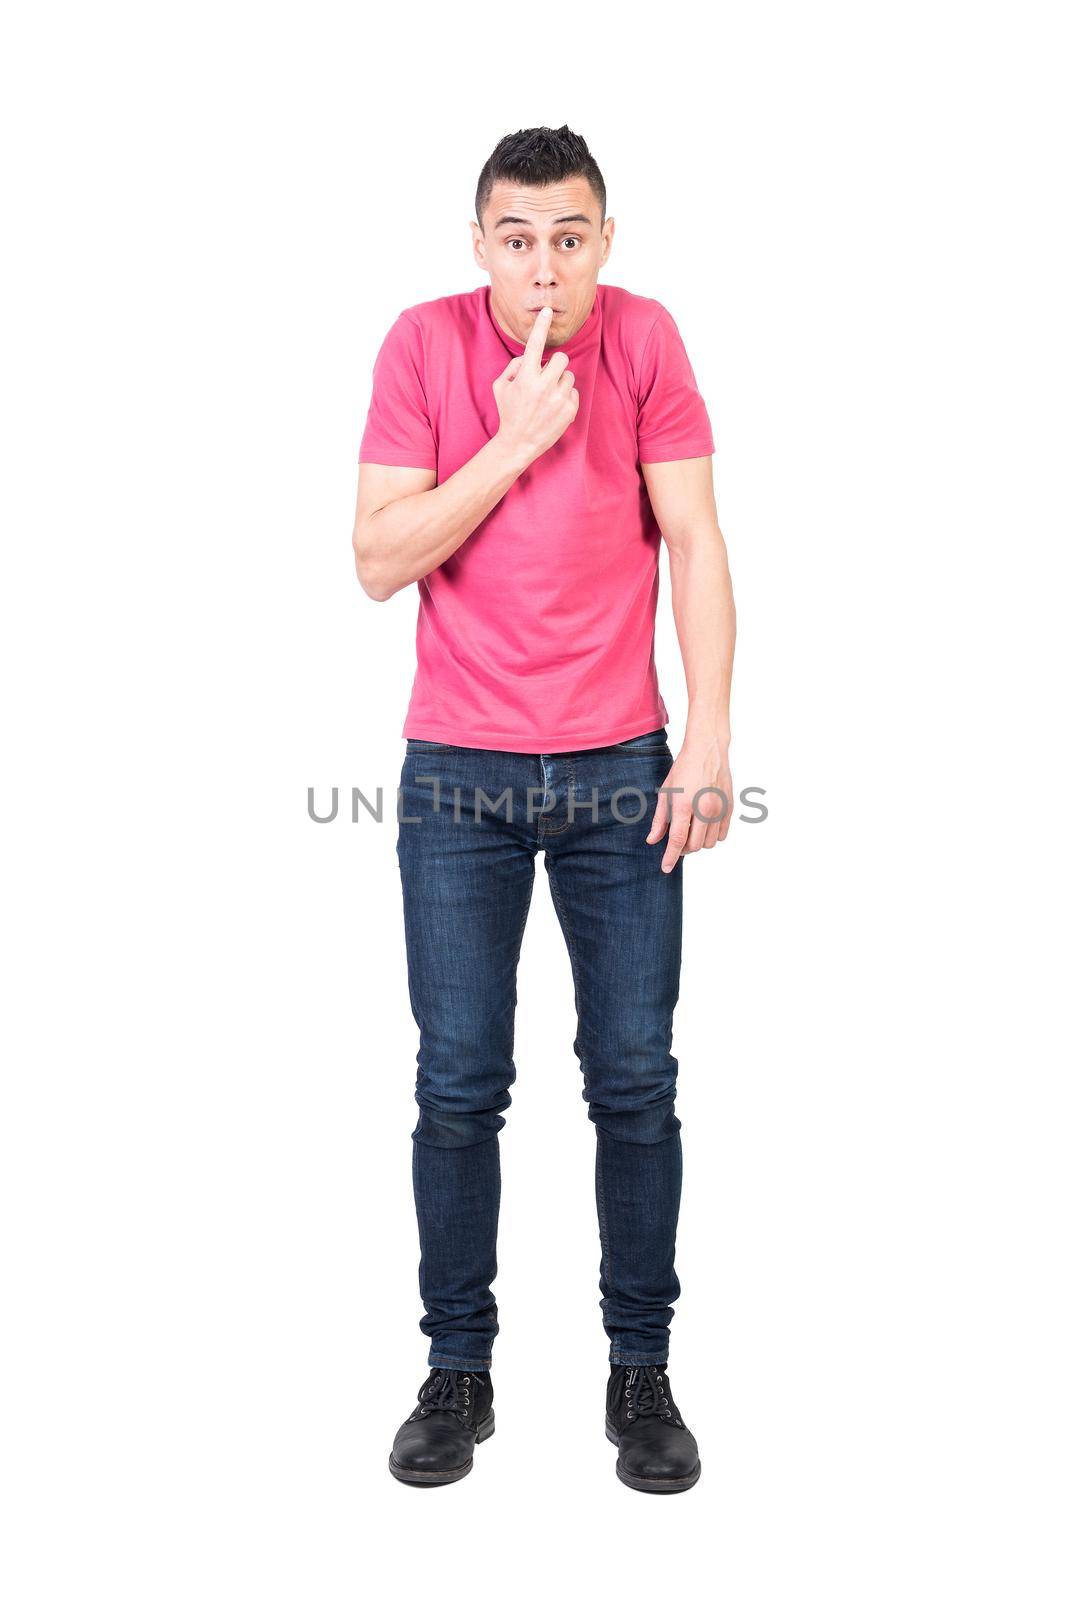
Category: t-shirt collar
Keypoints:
(586, 334)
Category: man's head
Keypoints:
(542, 234)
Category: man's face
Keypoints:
(542, 247)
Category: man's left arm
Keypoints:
(702, 600)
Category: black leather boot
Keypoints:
(657, 1451)
(437, 1443)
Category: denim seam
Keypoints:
(445, 1357)
(523, 925)
(560, 901)
(450, 1363)
(546, 832)
(515, 971)
(602, 1213)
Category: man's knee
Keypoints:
(629, 1083)
(451, 1130)
(637, 1124)
(462, 1089)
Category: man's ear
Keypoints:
(478, 245)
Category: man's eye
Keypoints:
(574, 239)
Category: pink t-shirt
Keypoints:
(536, 634)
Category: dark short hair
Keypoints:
(538, 157)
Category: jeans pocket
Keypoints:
(656, 740)
(428, 744)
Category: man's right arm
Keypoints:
(405, 526)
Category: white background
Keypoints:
(213, 214)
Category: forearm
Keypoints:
(702, 600)
(409, 537)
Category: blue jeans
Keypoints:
(467, 872)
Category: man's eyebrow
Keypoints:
(524, 222)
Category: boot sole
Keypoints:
(652, 1485)
(431, 1480)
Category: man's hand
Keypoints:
(698, 821)
(535, 403)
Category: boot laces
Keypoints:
(648, 1394)
(446, 1390)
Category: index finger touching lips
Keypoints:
(536, 340)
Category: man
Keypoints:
(528, 501)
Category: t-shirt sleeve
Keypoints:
(672, 416)
(398, 431)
